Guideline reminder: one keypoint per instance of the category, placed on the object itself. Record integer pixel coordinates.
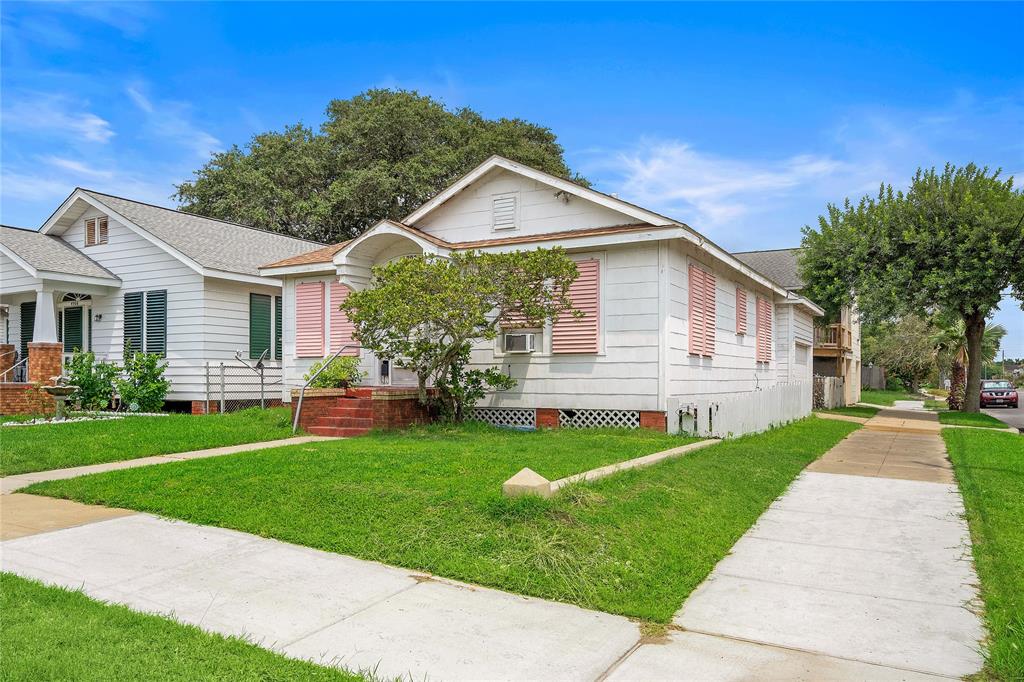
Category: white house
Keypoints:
(105, 272)
(675, 326)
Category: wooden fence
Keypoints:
(742, 413)
(829, 392)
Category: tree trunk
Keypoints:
(975, 324)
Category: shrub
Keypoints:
(95, 380)
(344, 371)
(143, 387)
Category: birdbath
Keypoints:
(61, 393)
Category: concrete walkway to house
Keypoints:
(864, 561)
(848, 576)
(9, 484)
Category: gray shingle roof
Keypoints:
(778, 265)
(214, 244)
(51, 254)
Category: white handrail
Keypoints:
(302, 391)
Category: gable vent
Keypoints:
(504, 212)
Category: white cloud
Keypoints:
(748, 201)
(55, 114)
(172, 120)
(79, 168)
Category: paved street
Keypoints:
(1014, 417)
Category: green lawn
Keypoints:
(635, 543)
(885, 398)
(853, 411)
(990, 469)
(970, 419)
(50, 633)
(56, 446)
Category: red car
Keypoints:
(995, 392)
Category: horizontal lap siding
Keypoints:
(732, 368)
(143, 266)
(625, 374)
(467, 217)
(13, 276)
(227, 318)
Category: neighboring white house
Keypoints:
(837, 345)
(105, 272)
(674, 324)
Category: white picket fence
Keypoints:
(742, 413)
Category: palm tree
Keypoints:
(950, 344)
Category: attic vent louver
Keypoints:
(504, 212)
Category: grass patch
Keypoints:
(990, 470)
(936, 405)
(51, 633)
(635, 543)
(853, 411)
(885, 398)
(56, 446)
(970, 419)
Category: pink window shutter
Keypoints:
(710, 318)
(741, 310)
(342, 330)
(696, 316)
(581, 335)
(309, 320)
(764, 330)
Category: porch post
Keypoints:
(45, 329)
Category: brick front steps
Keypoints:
(344, 412)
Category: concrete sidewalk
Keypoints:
(865, 561)
(325, 607)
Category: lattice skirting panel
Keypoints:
(595, 419)
(515, 417)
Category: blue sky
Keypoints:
(742, 120)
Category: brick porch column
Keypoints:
(44, 361)
(6, 361)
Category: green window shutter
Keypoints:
(28, 323)
(60, 325)
(259, 324)
(73, 323)
(133, 322)
(277, 327)
(156, 322)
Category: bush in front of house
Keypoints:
(95, 380)
(143, 387)
(341, 373)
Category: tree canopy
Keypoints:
(380, 154)
(952, 243)
(424, 313)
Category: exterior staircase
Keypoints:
(351, 416)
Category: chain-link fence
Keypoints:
(236, 385)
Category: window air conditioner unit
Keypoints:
(520, 343)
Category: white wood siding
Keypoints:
(143, 266)
(624, 375)
(226, 327)
(467, 216)
(14, 278)
(732, 369)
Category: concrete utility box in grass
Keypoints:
(527, 482)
